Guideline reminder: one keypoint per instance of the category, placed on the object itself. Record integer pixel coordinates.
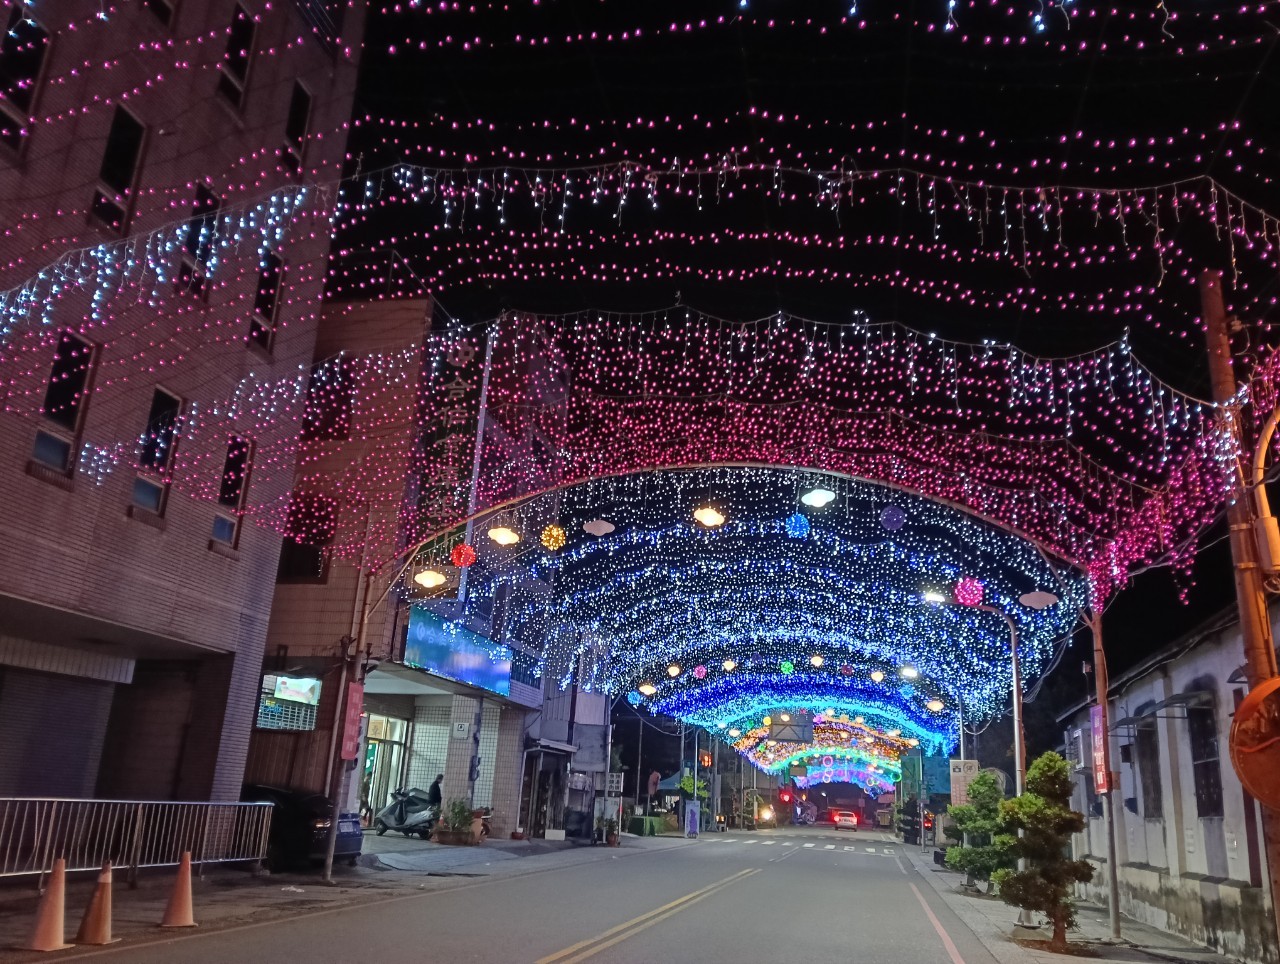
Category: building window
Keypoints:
(112, 200)
(163, 10)
(65, 400)
(22, 52)
(296, 127)
(155, 454)
(1147, 744)
(235, 62)
(303, 555)
(524, 668)
(329, 402)
(200, 241)
(232, 489)
(262, 328)
(1202, 730)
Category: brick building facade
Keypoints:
(163, 177)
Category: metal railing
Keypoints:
(36, 831)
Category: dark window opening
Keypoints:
(64, 399)
(1147, 742)
(200, 241)
(524, 668)
(1202, 730)
(265, 301)
(232, 488)
(312, 523)
(22, 51)
(119, 170)
(162, 9)
(235, 63)
(296, 128)
(162, 426)
(329, 402)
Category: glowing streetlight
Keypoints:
(673, 670)
(877, 676)
(709, 516)
(504, 535)
(648, 689)
(817, 498)
(729, 665)
(909, 672)
(430, 578)
(935, 706)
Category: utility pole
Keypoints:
(1103, 683)
(1251, 596)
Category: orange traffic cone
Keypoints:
(49, 931)
(178, 913)
(95, 928)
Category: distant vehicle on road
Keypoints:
(300, 827)
(844, 819)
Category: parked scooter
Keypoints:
(409, 812)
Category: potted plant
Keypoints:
(457, 824)
(611, 832)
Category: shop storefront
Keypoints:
(384, 763)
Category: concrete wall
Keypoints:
(1199, 876)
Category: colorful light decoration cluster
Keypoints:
(725, 626)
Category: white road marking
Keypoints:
(808, 845)
(871, 850)
(787, 843)
(767, 843)
(851, 849)
(832, 846)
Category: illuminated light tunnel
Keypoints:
(722, 624)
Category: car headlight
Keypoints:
(766, 814)
(319, 824)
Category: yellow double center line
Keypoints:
(594, 945)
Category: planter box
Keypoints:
(456, 838)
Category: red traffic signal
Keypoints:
(785, 796)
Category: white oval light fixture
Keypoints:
(913, 742)
(504, 535)
(858, 720)
(647, 689)
(909, 672)
(729, 665)
(709, 516)
(430, 578)
(735, 732)
(817, 498)
(815, 661)
(673, 670)
(877, 676)
(597, 527)
(935, 706)
(894, 733)
(785, 717)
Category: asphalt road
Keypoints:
(810, 894)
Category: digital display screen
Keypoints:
(447, 649)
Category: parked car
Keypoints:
(844, 819)
(300, 827)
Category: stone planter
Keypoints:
(611, 840)
(456, 838)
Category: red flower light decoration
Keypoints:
(700, 672)
(462, 555)
(968, 592)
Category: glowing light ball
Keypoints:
(648, 689)
(634, 698)
(673, 670)
(787, 666)
(877, 676)
(935, 706)
(846, 670)
(699, 672)
(729, 665)
(462, 555)
(798, 526)
(892, 518)
(815, 661)
(735, 732)
(553, 537)
(968, 592)
(767, 721)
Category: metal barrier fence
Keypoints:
(36, 831)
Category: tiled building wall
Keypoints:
(507, 754)
(429, 744)
(160, 577)
(488, 752)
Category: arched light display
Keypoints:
(724, 627)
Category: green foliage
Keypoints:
(989, 846)
(686, 786)
(1044, 816)
(610, 827)
(458, 816)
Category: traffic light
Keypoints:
(704, 759)
(785, 796)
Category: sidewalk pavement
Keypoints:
(992, 920)
(230, 896)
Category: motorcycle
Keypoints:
(409, 812)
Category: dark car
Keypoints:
(300, 827)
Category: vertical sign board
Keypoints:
(351, 721)
(962, 774)
(1100, 783)
(613, 786)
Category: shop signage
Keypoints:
(962, 774)
(1099, 732)
(351, 721)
